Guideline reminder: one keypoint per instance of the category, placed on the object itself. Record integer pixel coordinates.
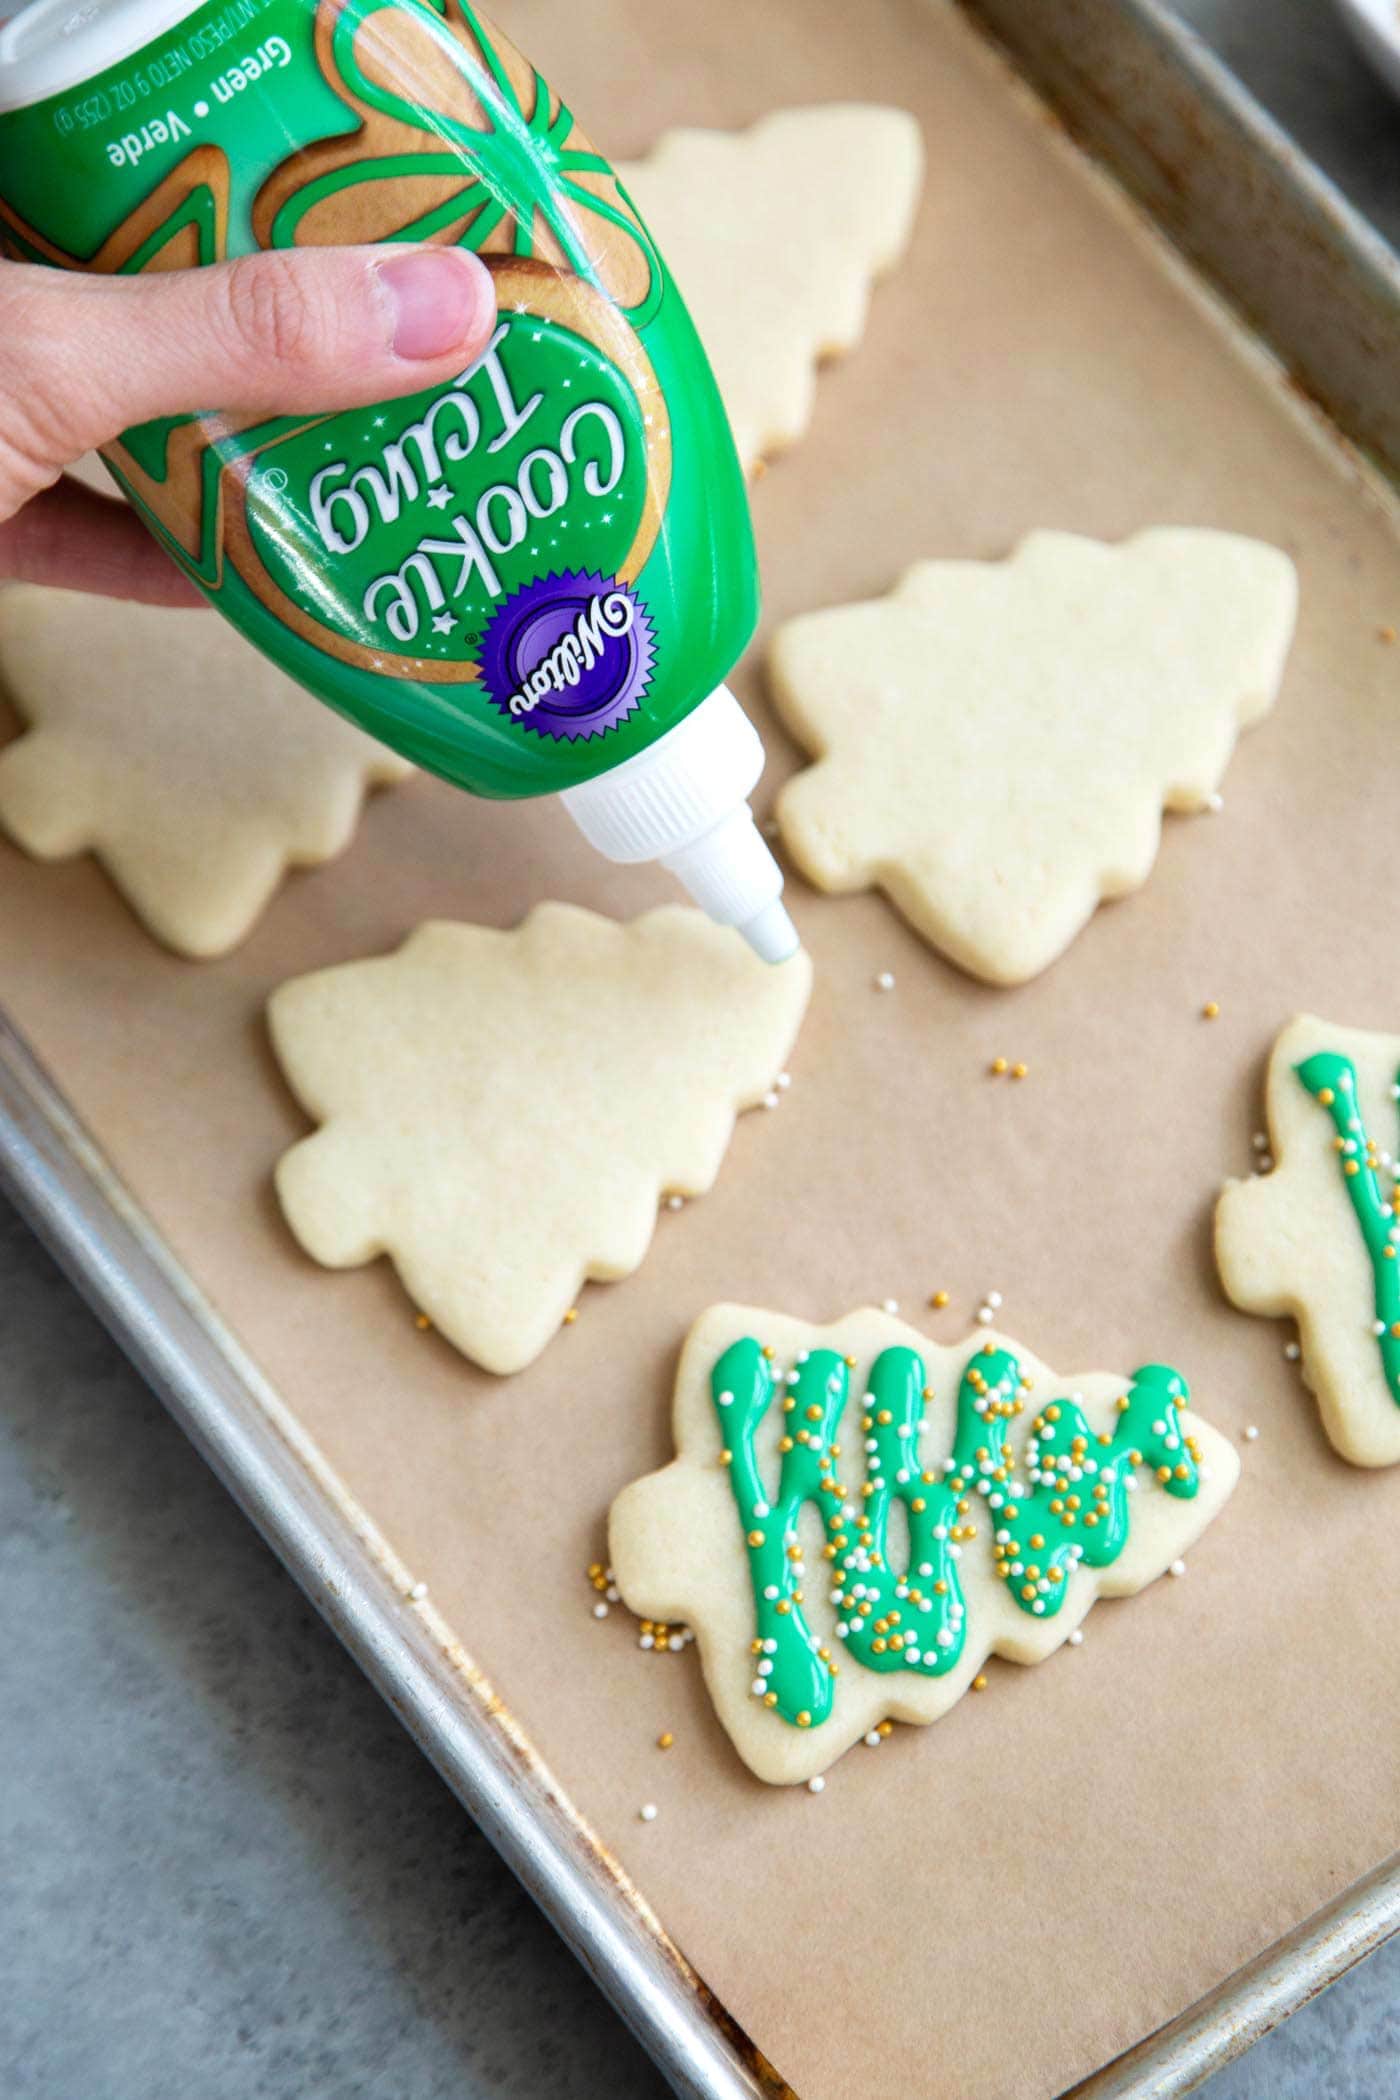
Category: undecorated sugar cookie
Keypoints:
(774, 236)
(502, 1112)
(856, 1518)
(996, 741)
(1318, 1237)
(162, 742)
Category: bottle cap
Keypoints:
(684, 801)
(52, 45)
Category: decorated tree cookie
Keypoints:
(774, 236)
(1021, 1499)
(996, 741)
(502, 1112)
(193, 768)
(1318, 1237)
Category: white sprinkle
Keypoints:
(1378, 1326)
(984, 1315)
(1251, 1435)
(885, 981)
(647, 1640)
(1259, 1141)
(758, 1687)
(1266, 1163)
(772, 1099)
(1215, 803)
(1178, 1567)
(418, 1592)
(770, 1591)
(889, 1305)
(994, 1299)
(782, 1083)
(600, 1611)
(874, 1739)
(648, 1811)
(815, 1784)
(1076, 1639)
(1293, 1350)
(613, 1593)
(675, 1203)
(726, 1399)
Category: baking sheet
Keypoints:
(996, 1905)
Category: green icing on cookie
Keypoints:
(1072, 1506)
(1331, 1080)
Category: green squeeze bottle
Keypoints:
(532, 580)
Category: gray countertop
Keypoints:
(227, 1873)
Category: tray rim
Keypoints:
(58, 1178)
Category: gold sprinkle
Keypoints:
(755, 1538)
(1385, 634)
(1210, 1010)
(423, 1323)
(726, 1458)
(937, 1301)
(979, 1683)
(997, 1066)
(664, 1742)
(1019, 1071)
(570, 1316)
(1326, 1096)
(804, 1719)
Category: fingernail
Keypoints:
(435, 295)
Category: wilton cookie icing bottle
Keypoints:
(532, 580)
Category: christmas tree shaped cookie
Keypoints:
(996, 741)
(501, 1112)
(774, 236)
(193, 768)
(857, 1518)
(1318, 1237)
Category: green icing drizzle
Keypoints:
(1331, 1080)
(1072, 1506)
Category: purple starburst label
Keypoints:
(568, 656)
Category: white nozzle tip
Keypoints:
(771, 933)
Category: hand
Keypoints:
(81, 357)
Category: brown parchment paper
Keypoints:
(989, 1908)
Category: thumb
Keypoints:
(313, 329)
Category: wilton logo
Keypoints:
(563, 667)
(568, 656)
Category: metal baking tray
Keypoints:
(1323, 291)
